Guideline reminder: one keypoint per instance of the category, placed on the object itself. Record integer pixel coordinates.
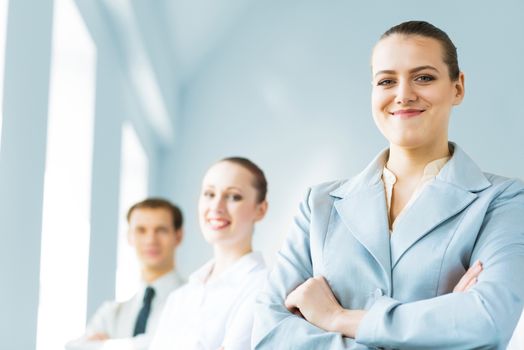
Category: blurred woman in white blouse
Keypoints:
(215, 309)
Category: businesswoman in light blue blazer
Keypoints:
(371, 262)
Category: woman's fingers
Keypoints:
(290, 302)
(471, 283)
(470, 278)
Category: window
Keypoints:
(133, 188)
(3, 27)
(67, 182)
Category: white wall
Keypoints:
(290, 89)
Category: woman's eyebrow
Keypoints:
(418, 69)
(413, 70)
(385, 72)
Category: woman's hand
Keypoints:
(315, 301)
(469, 279)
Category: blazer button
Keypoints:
(378, 293)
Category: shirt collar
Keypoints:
(459, 171)
(431, 170)
(162, 285)
(233, 275)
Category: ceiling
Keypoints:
(161, 44)
(177, 35)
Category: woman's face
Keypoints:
(412, 92)
(228, 207)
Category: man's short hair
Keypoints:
(159, 203)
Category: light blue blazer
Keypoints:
(404, 281)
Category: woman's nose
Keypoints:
(218, 204)
(405, 93)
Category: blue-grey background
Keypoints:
(285, 83)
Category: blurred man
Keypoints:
(155, 230)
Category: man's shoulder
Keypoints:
(111, 307)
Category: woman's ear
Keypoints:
(459, 89)
(261, 210)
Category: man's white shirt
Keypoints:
(117, 319)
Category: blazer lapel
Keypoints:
(437, 203)
(364, 213)
(362, 209)
(451, 192)
(362, 206)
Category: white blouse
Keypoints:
(209, 315)
(431, 171)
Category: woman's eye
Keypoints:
(234, 197)
(385, 82)
(208, 194)
(424, 78)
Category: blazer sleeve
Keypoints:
(274, 326)
(483, 317)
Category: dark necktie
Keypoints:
(141, 320)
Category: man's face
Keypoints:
(154, 237)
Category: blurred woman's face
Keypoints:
(228, 207)
(412, 92)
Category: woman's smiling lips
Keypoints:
(217, 223)
(407, 113)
